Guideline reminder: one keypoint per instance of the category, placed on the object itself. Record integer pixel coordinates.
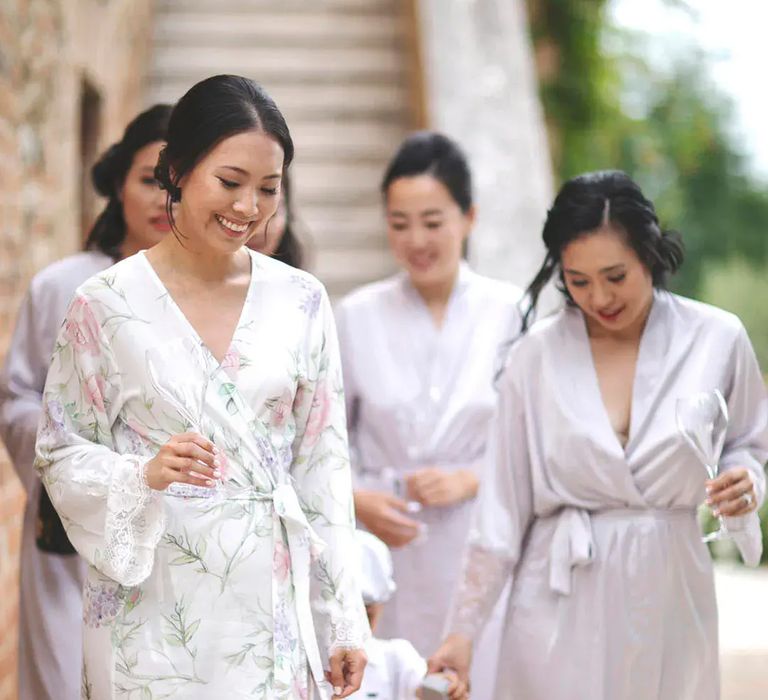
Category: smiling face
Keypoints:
(146, 221)
(426, 229)
(230, 193)
(607, 280)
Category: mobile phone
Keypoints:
(435, 687)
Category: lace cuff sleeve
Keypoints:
(483, 577)
(134, 525)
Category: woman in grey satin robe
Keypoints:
(589, 503)
(52, 574)
(419, 352)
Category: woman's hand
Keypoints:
(732, 493)
(346, 674)
(433, 486)
(454, 655)
(383, 515)
(188, 458)
(458, 689)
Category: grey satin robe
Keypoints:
(612, 589)
(50, 615)
(418, 396)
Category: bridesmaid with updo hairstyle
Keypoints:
(419, 352)
(52, 574)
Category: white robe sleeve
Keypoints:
(21, 385)
(500, 518)
(322, 474)
(746, 443)
(111, 516)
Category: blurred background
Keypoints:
(535, 90)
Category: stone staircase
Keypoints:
(338, 70)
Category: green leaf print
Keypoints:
(227, 389)
(180, 633)
(188, 553)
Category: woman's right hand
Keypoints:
(454, 654)
(383, 515)
(187, 458)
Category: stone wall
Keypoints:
(52, 52)
(481, 89)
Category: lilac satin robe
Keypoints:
(612, 592)
(419, 396)
(50, 614)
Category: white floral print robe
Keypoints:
(238, 591)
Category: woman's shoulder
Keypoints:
(273, 272)
(691, 312)
(113, 279)
(529, 349)
(492, 289)
(371, 295)
(64, 276)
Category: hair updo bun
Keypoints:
(109, 172)
(163, 177)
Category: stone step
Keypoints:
(346, 139)
(386, 102)
(337, 70)
(299, 7)
(326, 63)
(312, 28)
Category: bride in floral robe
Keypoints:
(176, 592)
(225, 582)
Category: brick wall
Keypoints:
(48, 50)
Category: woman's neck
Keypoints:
(182, 260)
(129, 247)
(436, 296)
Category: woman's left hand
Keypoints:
(732, 493)
(346, 674)
(433, 486)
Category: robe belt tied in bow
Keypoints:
(303, 545)
(573, 543)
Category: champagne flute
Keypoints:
(168, 370)
(702, 420)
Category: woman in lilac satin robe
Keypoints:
(588, 506)
(51, 582)
(419, 352)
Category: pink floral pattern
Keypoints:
(281, 562)
(320, 413)
(94, 390)
(81, 327)
(231, 363)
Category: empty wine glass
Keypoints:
(702, 420)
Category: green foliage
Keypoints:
(740, 287)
